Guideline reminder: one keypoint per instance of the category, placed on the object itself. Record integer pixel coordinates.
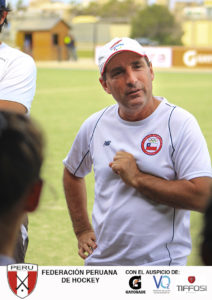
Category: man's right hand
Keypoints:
(86, 243)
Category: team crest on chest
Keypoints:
(152, 144)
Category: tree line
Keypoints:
(155, 22)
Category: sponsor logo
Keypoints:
(135, 282)
(192, 288)
(162, 284)
(191, 279)
(152, 144)
(192, 58)
(22, 279)
(135, 285)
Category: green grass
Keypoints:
(64, 99)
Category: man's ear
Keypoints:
(3, 17)
(104, 85)
(151, 71)
(34, 196)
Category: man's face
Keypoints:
(129, 80)
(4, 15)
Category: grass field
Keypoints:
(64, 99)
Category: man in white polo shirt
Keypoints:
(17, 73)
(17, 89)
(151, 166)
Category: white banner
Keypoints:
(115, 283)
(161, 57)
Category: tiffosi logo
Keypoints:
(191, 287)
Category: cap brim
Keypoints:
(117, 52)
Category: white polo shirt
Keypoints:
(17, 76)
(130, 228)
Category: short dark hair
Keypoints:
(21, 156)
(145, 57)
(2, 9)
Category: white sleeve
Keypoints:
(19, 81)
(78, 160)
(191, 156)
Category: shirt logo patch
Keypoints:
(152, 144)
(107, 143)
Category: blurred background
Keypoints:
(63, 37)
(176, 32)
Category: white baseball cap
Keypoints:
(115, 46)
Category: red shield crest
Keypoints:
(152, 144)
(191, 279)
(22, 278)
